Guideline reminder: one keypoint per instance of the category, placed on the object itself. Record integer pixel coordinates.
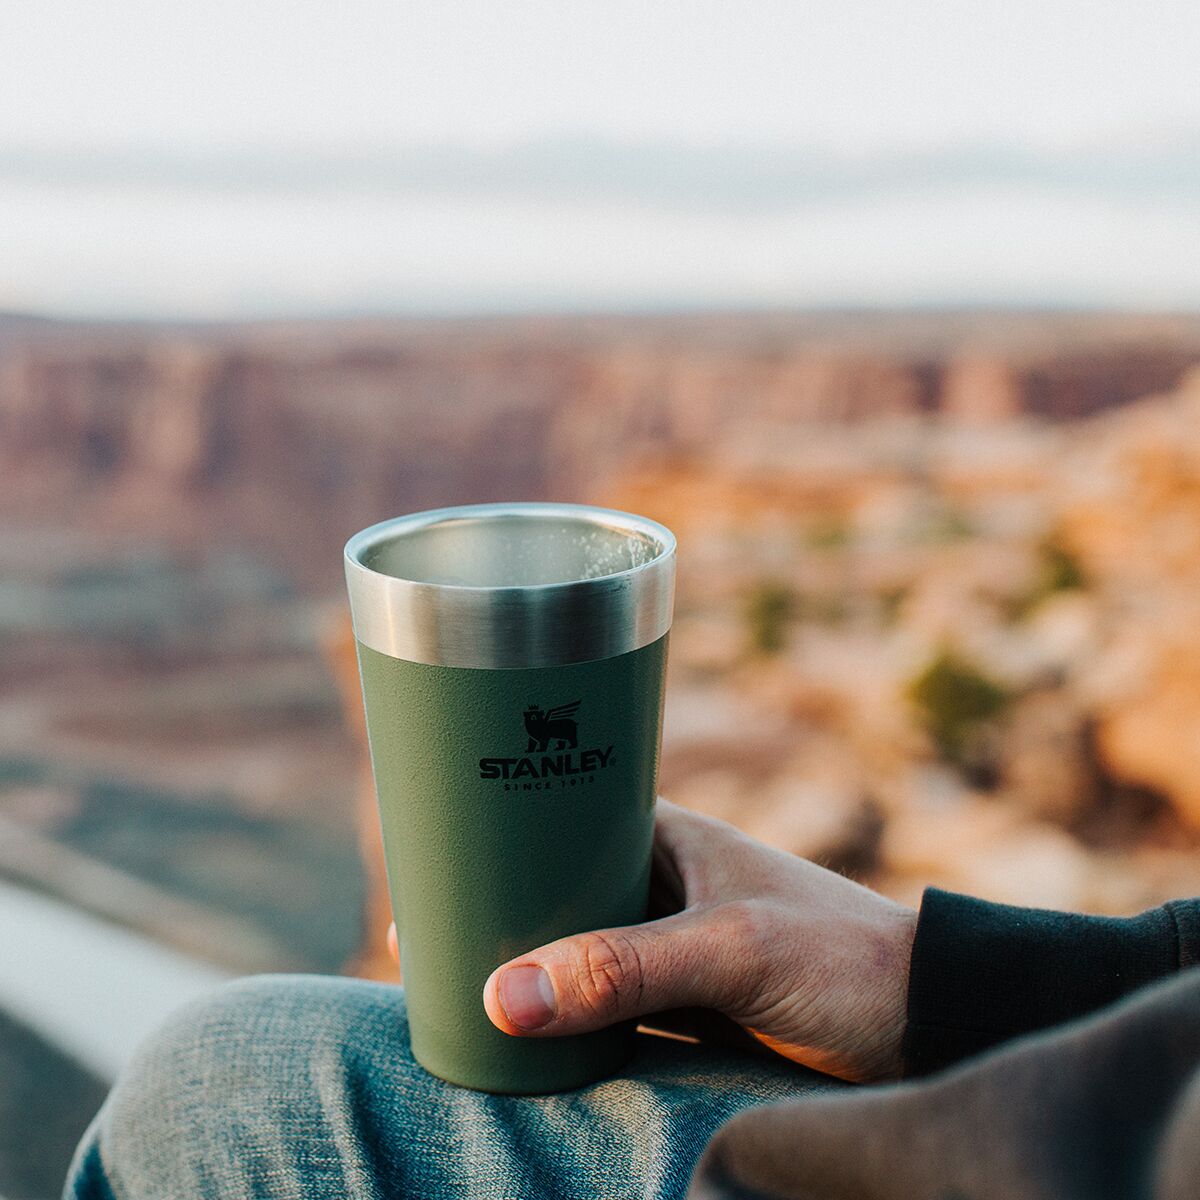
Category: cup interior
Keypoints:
(510, 550)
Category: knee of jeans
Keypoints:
(195, 1042)
(246, 1041)
(226, 1076)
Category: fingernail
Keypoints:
(527, 996)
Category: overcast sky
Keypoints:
(287, 156)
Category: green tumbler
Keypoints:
(513, 660)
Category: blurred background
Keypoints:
(891, 312)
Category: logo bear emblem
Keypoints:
(554, 724)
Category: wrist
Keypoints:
(893, 959)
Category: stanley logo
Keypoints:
(551, 753)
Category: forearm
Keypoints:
(982, 973)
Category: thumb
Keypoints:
(595, 979)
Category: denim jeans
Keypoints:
(305, 1086)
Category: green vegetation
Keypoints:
(769, 608)
(1061, 571)
(890, 600)
(820, 608)
(955, 698)
(948, 524)
(1058, 571)
(829, 533)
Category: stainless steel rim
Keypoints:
(616, 595)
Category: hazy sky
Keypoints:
(216, 159)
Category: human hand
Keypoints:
(812, 964)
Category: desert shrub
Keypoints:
(829, 533)
(769, 607)
(820, 608)
(1058, 570)
(890, 600)
(955, 699)
(948, 524)
(1061, 570)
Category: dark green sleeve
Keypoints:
(982, 973)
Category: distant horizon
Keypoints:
(282, 160)
(663, 311)
(586, 225)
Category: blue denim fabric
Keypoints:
(305, 1086)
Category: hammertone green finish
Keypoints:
(482, 870)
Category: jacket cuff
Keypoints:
(982, 973)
